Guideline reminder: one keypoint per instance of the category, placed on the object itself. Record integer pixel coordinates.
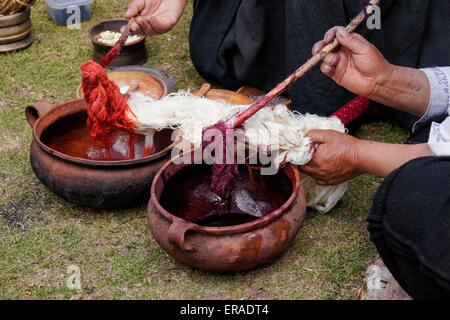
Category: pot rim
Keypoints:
(88, 162)
(94, 39)
(25, 12)
(296, 191)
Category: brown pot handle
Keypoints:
(177, 232)
(203, 90)
(37, 110)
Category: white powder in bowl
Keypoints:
(111, 37)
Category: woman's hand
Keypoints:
(154, 17)
(340, 157)
(357, 65)
(335, 159)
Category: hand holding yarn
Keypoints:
(335, 159)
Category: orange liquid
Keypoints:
(70, 136)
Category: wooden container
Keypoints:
(15, 31)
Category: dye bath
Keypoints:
(189, 195)
(70, 136)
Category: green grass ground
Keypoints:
(41, 234)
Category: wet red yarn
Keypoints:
(107, 107)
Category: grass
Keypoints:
(41, 235)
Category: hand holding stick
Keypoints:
(300, 72)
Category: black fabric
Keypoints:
(410, 223)
(260, 42)
(422, 133)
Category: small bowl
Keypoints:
(132, 53)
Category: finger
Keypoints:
(330, 35)
(136, 28)
(355, 42)
(321, 136)
(157, 26)
(317, 47)
(308, 169)
(328, 70)
(145, 26)
(322, 183)
(134, 8)
(332, 59)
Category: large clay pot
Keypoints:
(225, 249)
(95, 184)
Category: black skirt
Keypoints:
(410, 223)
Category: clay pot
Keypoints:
(134, 53)
(149, 85)
(225, 249)
(95, 184)
(15, 31)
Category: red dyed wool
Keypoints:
(107, 107)
(223, 173)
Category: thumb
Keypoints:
(319, 136)
(134, 8)
(352, 41)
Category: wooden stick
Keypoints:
(114, 52)
(300, 72)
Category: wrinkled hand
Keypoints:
(357, 65)
(154, 17)
(335, 159)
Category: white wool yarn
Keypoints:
(278, 131)
(178, 110)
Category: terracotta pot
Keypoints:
(225, 249)
(149, 85)
(134, 53)
(95, 184)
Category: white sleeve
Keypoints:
(439, 141)
(439, 79)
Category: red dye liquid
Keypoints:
(189, 195)
(70, 136)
